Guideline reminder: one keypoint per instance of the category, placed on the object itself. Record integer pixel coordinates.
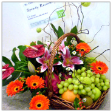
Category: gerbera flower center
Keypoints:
(99, 68)
(16, 89)
(34, 84)
(82, 49)
(39, 105)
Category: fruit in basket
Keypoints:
(97, 94)
(69, 96)
(87, 101)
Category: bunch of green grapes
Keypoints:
(83, 82)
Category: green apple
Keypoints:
(97, 94)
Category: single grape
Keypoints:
(78, 76)
(89, 93)
(65, 89)
(62, 82)
(87, 89)
(83, 91)
(103, 77)
(105, 88)
(60, 86)
(75, 91)
(79, 92)
(98, 84)
(75, 86)
(61, 91)
(107, 80)
(81, 78)
(94, 91)
(70, 87)
(106, 83)
(83, 74)
(69, 80)
(102, 83)
(92, 96)
(92, 79)
(92, 86)
(96, 80)
(77, 82)
(88, 75)
(73, 75)
(98, 75)
(79, 71)
(80, 86)
(100, 80)
(87, 80)
(66, 84)
(83, 69)
(100, 88)
(88, 71)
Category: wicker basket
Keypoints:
(57, 102)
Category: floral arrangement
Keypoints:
(75, 77)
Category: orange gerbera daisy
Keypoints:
(39, 102)
(83, 48)
(14, 87)
(35, 82)
(99, 67)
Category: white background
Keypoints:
(16, 31)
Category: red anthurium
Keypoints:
(7, 71)
(34, 51)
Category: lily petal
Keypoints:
(43, 68)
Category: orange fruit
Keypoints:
(69, 96)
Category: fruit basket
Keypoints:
(59, 74)
(56, 101)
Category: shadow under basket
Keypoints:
(55, 101)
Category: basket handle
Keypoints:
(53, 53)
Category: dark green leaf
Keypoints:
(14, 57)
(35, 91)
(60, 32)
(21, 49)
(6, 61)
(39, 42)
(76, 103)
(69, 38)
(74, 30)
(8, 80)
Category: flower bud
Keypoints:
(31, 67)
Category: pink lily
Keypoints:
(70, 61)
(45, 61)
(62, 47)
(7, 71)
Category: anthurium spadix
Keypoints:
(31, 68)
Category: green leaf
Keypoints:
(14, 57)
(21, 49)
(39, 42)
(90, 59)
(15, 75)
(69, 38)
(32, 43)
(76, 103)
(6, 61)
(35, 91)
(60, 32)
(55, 30)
